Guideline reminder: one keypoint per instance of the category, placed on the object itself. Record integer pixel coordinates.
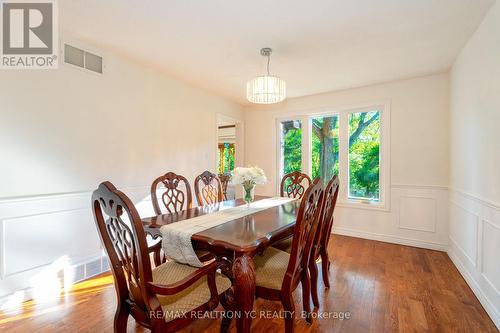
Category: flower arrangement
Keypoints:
(248, 178)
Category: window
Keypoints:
(353, 144)
(290, 146)
(364, 155)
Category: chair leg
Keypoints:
(289, 307)
(227, 301)
(306, 295)
(121, 318)
(225, 324)
(325, 265)
(313, 269)
(157, 327)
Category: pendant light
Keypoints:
(266, 89)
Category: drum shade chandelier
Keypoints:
(266, 89)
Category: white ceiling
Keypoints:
(319, 45)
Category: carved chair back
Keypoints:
(224, 179)
(292, 185)
(304, 232)
(325, 221)
(176, 193)
(126, 245)
(208, 189)
(329, 210)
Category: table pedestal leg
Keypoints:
(244, 290)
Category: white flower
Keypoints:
(253, 175)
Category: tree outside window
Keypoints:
(364, 155)
(325, 147)
(361, 160)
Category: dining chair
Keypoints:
(278, 273)
(224, 179)
(322, 237)
(163, 299)
(208, 189)
(176, 193)
(176, 197)
(292, 184)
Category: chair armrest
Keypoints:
(154, 247)
(170, 289)
(156, 250)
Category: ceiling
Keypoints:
(319, 45)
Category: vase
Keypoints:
(248, 193)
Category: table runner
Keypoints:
(176, 237)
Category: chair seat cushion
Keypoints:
(174, 306)
(284, 245)
(270, 268)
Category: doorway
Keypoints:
(229, 151)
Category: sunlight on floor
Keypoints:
(14, 309)
(13, 302)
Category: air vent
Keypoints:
(82, 59)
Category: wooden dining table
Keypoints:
(237, 241)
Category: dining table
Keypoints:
(237, 241)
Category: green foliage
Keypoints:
(292, 150)
(364, 156)
(315, 158)
(228, 158)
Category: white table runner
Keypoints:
(176, 237)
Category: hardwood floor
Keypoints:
(384, 287)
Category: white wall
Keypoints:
(419, 157)
(475, 163)
(64, 131)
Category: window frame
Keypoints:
(343, 113)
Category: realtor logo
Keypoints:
(29, 34)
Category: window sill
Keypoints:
(379, 206)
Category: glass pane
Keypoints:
(364, 155)
(291, 146)
(225, 157)
(229, 157)
(325, 147)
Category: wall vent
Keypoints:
(83, 59)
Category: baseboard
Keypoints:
(390, 239)
(476, 289)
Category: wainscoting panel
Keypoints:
(418, 216)
(418, 213)
(475, 247)
(464, 228)
(491, 263)
(53, 236)
(37, 240)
